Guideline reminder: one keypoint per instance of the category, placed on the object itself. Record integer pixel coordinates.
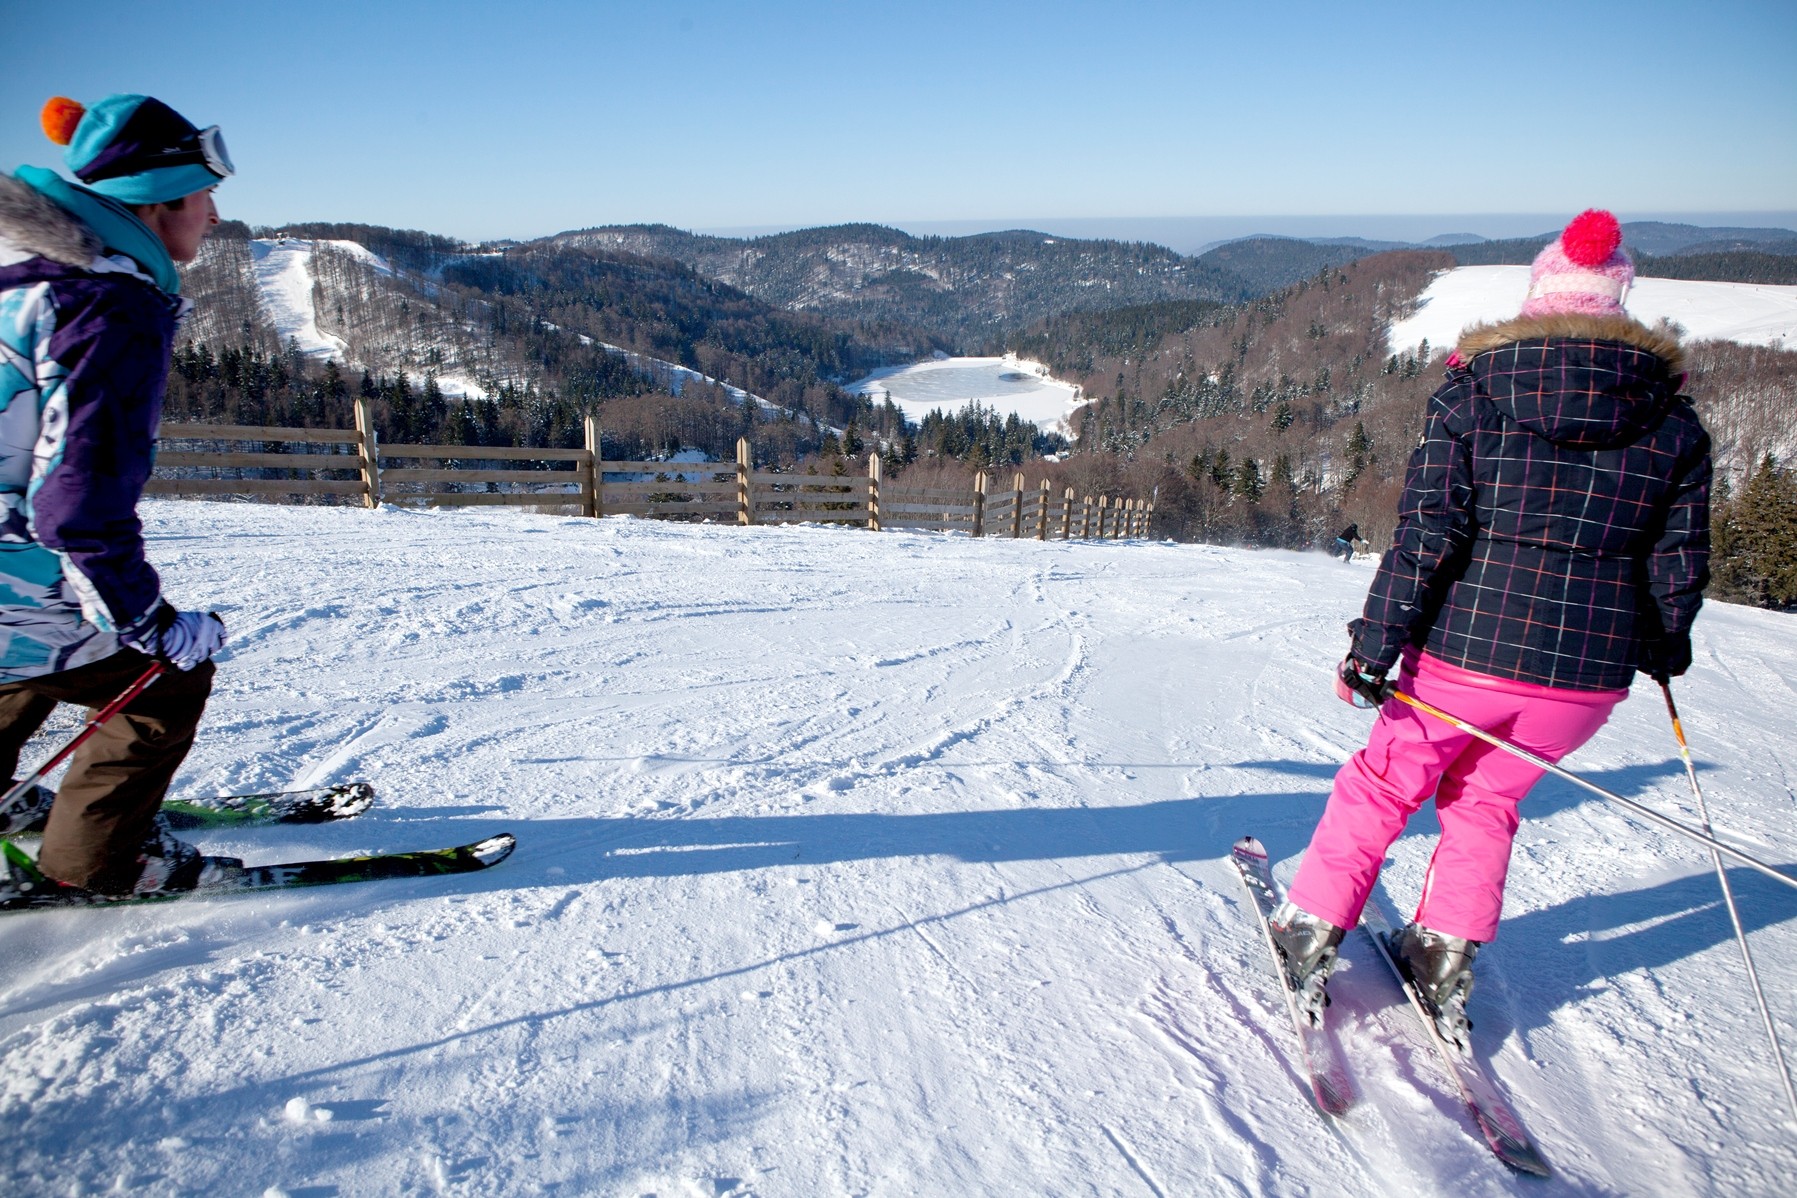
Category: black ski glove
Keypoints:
(1361, 685)
(1667, 657)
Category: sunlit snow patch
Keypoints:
(1750, 313)
(1008, 384)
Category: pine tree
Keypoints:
(1359, 450)
(1247, 483)
(1754, 556)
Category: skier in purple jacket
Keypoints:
(1553, 539)
(89, 305)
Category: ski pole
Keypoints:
(1644, 812)
(88, 729)
(1728, 896)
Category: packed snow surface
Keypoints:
(1008, 384)
(856, 863)
(1750, 313)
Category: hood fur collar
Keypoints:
(36, 225)
(1661, 341)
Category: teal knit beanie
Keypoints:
(135, 149)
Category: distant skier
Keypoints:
(1344, 542)
(89, 302)
(1553, 538)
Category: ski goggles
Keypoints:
(204, 147)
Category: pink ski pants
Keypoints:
(1477, 788)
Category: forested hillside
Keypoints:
(1268, 264)
(1280, 421)
(966, 290)
(501, 347)
(978, 292)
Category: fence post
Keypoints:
(369, 450)
(595, 478)
(1042, 512)
(1085, 518)
(1154, 497)
(1017, 505)
(1104, 510)
(979, 503)
(1067, 515)
(873, 492)
(745, 497)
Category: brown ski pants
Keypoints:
(116, 781)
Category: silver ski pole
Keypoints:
(1728, 896)
(1644, 812)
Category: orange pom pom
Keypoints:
(60, 116)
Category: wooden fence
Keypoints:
(352, 463)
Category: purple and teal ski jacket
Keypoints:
(87, 318)
(1555, 516)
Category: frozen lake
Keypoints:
(1005, 384)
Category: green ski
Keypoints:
(23, 888)
(318, 805)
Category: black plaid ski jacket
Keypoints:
(1555, 515)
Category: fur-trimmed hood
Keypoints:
(1661, 342)
(43, 215)
(34, 224)
(1582, 381)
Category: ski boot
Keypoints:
(1307, 947)
(1441, 968)
(28, 812)
(170, 864)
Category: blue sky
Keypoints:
(527, 117)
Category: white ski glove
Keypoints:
(183, 639)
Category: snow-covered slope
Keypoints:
(286, 286)
(854, 863)
(1750, 313)
(283, 271)
(285, 283)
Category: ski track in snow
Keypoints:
(861, 864)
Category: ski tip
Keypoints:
(1334, 1096)
(1511, 1144)
(353, 799)
(494, 849)
(1249, 846)
(1522, 1157)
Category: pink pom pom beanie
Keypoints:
(1582, 270)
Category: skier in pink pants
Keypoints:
(1553, 539)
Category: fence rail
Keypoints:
(360, 467)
